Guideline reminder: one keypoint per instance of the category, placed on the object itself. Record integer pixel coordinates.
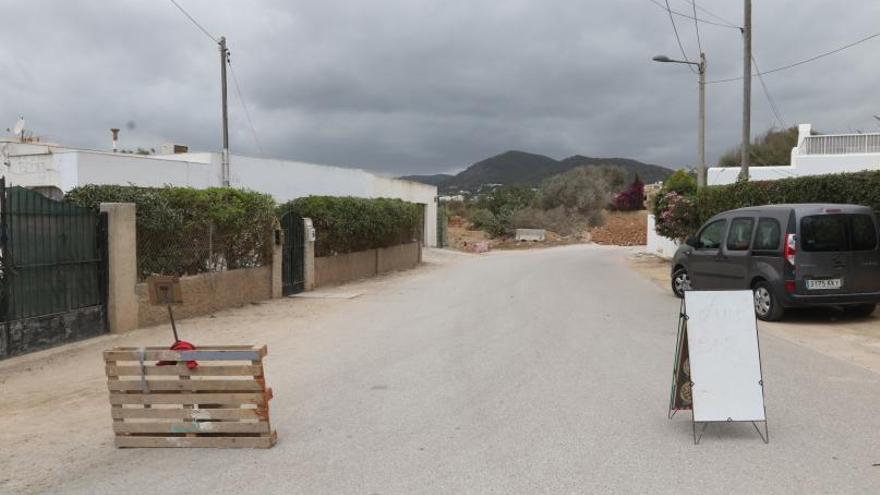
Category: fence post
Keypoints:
(122, 304)
(277, 261)
(308, 254)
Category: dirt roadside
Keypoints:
(829, 332)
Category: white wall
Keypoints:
(801, 164)
(282, 179)
(657, 244)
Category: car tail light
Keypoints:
(790, 248)
(789, 286)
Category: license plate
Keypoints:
(824, 284)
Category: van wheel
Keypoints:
(767, 306)
(681, 282)
(860, 310)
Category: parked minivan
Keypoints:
(791, 255)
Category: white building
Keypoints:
(57, 169)
(813, 155)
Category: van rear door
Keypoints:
(838, 254)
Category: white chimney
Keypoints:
(115, 132)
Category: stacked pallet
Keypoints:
(221, 402)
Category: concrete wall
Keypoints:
(208, 293)
(331, 270)
(122, 306)
(657, 244)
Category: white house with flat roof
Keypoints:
(54, 169)
(813, 155)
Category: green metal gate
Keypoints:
(53, 272)
(293, 254)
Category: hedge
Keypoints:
(345, 224)
(860, 188)
(185, 231)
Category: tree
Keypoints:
(584, 190)
(771, 148)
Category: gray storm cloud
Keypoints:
(417, 86)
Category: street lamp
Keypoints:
(701, 65)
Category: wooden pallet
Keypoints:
(224, 402)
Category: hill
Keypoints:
(521, 168)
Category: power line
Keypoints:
(247, 113)
(194, 21)
(680, 14)
(773, 107)
(727, 22)
(696, 25)
(801, 62)
(677, 38)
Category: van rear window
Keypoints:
(824, 233)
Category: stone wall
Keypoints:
(332, 270)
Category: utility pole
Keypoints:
(701, 165)
(747, 92)
(224, 171)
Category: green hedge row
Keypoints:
(861, 188)
(348, 224)
(185, 231)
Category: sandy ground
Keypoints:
(830, 332)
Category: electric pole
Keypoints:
(747, 92)
(224, 157)
(701, 165)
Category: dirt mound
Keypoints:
(623, 228)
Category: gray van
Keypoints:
(792, 255)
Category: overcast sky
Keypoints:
(424, 86)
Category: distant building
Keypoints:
(813, 155)
(54, 169)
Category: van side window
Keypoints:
(740, 235)
(767, 237)
(710, 236)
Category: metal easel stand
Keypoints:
(765, 436)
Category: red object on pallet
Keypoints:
(181, 345)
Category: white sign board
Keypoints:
(725, 361)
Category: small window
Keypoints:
(823, 233)
(767, 237)
(740, 235)
(864, 233)
(710, 236)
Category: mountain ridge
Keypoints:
(515, 167)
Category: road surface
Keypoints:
(543, 371)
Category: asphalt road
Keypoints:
(542, 371)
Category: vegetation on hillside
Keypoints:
(565, 203)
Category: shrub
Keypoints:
(184, 231)
(861, 188)
(345, 224)
(632, 198)
(556, 220)
(679, 216)
(681, 182)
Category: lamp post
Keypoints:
(701, 133)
